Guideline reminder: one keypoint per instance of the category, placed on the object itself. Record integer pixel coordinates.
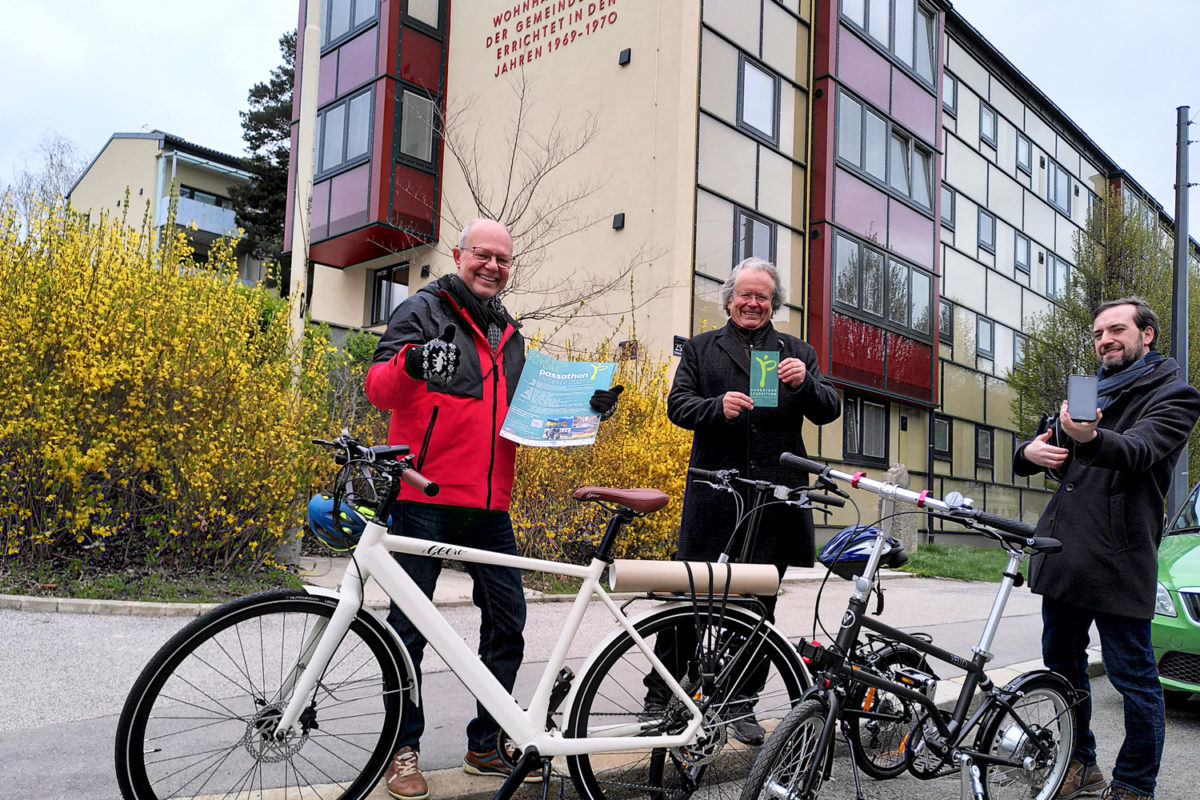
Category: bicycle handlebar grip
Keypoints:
(419, 482)
(1014, 526)
(802, 463)
(826, 499)
(706, 475)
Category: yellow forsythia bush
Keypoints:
(148, 413)
(638, 447)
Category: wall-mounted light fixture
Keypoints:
(1042, 162)
(618, 221)
(1041, 258)
(624, 56)
(425, 271)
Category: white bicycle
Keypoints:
(301, 690)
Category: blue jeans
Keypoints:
(498, 594)
(1129, 662)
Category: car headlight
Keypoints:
(1162, 602)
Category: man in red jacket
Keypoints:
(447, 368)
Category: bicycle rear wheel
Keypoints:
(790, 757)
(1045, 709)
(200, 718)
(756, 676)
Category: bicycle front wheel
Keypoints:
(1038, 736)
(877, 721)
(790, 766)
(200, 720)
(754, 676)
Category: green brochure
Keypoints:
(764, 378)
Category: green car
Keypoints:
(1176, 624)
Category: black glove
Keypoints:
(435, 361)
(605, 401)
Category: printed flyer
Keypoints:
(764, 378)
(551, 408)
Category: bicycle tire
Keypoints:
(790, 755)
(612, 691)
(1046, 705)
(879, 742)
(196, 721)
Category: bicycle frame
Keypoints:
(527, 728)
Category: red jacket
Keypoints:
(453, 430)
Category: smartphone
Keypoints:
(1081, 397)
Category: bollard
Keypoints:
(904, 526)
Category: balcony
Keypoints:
(207, 217)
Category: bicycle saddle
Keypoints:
(642, 500)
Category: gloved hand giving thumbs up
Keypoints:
(605, 401)
(435, 361)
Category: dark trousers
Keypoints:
(498, 594)
(1129, 662)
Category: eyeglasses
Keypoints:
(762, 298)
(483, 255)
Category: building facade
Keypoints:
(920, 196)
(155, 169)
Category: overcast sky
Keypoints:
(84, 69)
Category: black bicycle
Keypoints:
(1016, 743)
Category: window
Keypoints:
(416, 126)
(865, 430)
(901, 293)
(908, 30)
(1024, 154)
(758, 100)
(752, 236)
(344, 132)
(1057, 274)
(345, 17)
(1021, 251)
(943, 437)
(389, 288)
(987, 123)
(1058, 188)
(947, 206)
(983, 446)
(425, 11)
(865, 141)
(985, 331)
(987, 231)
(208, 198)
(946, 321)
(1019, 342)
(950, 93)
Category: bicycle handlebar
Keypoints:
(393, 459)
(419, 482)
(962, 513)
(722, 478)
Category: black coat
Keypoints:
(714, 363)
(1108, 510)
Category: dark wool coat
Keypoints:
(1108, 510)
(714, 363)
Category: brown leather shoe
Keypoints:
(1081, 780)
(489, 763)
(1114, 792)
(404, 779)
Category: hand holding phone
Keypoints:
(1081, 397)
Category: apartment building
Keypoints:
(154, 169)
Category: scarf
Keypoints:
(1111, 385)
(750, 339)
(490, 317)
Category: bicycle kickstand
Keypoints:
(530, 760)
(971, 784)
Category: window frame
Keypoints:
(990, 245)
(946, 454)
(854, 414)
(950, 107)
(1054, 290)
(353, 28)
(377, 280)
(1054, 170)
(424, 26)
(948, 222)
(1026, 167)
(946, 336)
(1019, 239)
(986, 111)
(884, 316)
(988, 352)
(917, 156)
(989, 432)
(322, 169)
(772, 136)
(740, 214)
(401, 106)
(906, 56)
(1020, 342)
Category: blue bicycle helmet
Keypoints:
(846, 554)
(338, 519)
